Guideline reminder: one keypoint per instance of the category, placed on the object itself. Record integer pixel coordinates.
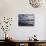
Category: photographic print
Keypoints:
(26, 19)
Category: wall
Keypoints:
(11, 8)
